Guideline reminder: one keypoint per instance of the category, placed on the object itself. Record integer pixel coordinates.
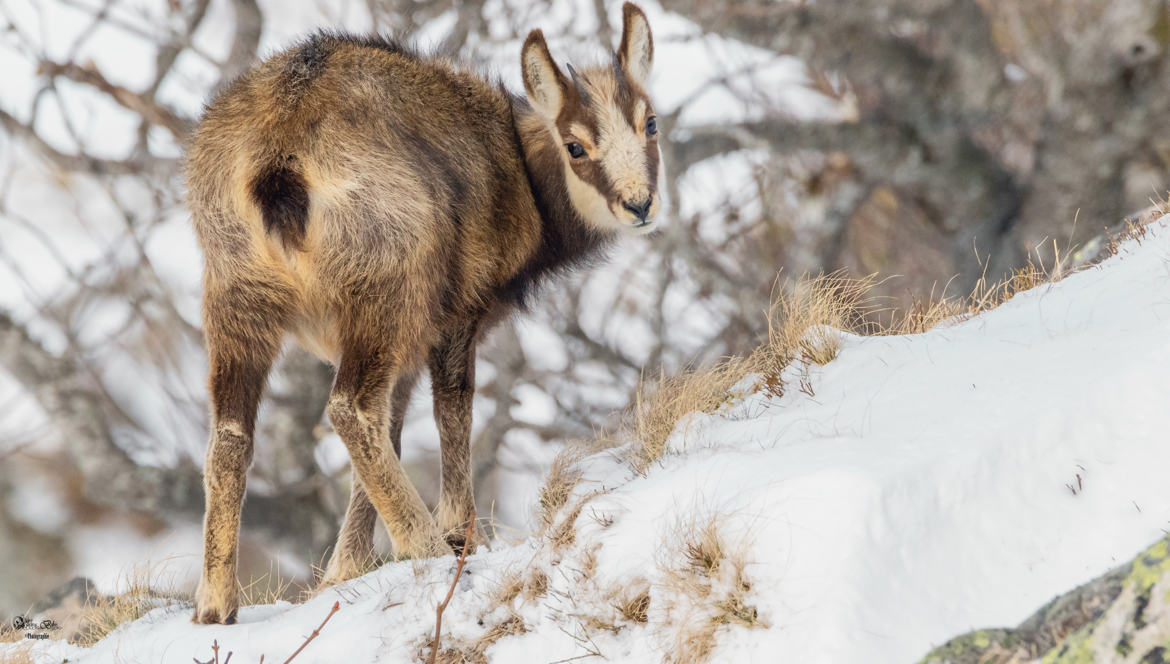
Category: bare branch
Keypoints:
(82, 162)
(144, 105)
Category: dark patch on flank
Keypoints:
(283, 198)
(447, 186)
(443, 178)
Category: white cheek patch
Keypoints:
(589, 202)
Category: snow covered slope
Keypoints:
(928, 485)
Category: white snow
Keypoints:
(932, 484)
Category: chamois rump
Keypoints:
(386, 208)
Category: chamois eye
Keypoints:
(575, 150)
(651, 126)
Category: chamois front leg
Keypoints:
(354, 552)
(358, 409)
(452, 366)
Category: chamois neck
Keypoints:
(565, 240)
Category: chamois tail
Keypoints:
(282, 195)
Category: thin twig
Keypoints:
(215, 658)
(573, 659)
(450, 593)
(315, 634)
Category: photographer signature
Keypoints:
(34, 629)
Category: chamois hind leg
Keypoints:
(358, 409)
(452, 366)
(354, 552)
(244, 325)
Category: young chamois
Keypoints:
(386, 208)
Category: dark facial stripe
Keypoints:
(652, 164)
(593, 174)
(576, 110)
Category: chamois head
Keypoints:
(604, 121)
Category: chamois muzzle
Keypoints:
(639, 209)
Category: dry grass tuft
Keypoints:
(708, 588)
(702, 548)
(562, 478)
(473, 652)
(589, 563)
(536, 585)
(563, 533)
(451, 656)
(270, 589)
(512, 626)
(987, 296)
(634, 607)
(733, 609)
(16, 653)
(510, 587)
(105, 613)
(1134, 230)
(924, 315)
(802, 326)
(514, 585)
(804, 319)
(8, 634)
(658, 406)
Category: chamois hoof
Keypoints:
(458, 543)
(457, 540)
(213, 616)
(214, 610)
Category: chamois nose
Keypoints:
(639, 209)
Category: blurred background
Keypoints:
(930, 141)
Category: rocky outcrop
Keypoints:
(1122, 617)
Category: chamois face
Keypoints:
(604, 123)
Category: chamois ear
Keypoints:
(543, 81)
(636, 51)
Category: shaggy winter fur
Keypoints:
(387, 208)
